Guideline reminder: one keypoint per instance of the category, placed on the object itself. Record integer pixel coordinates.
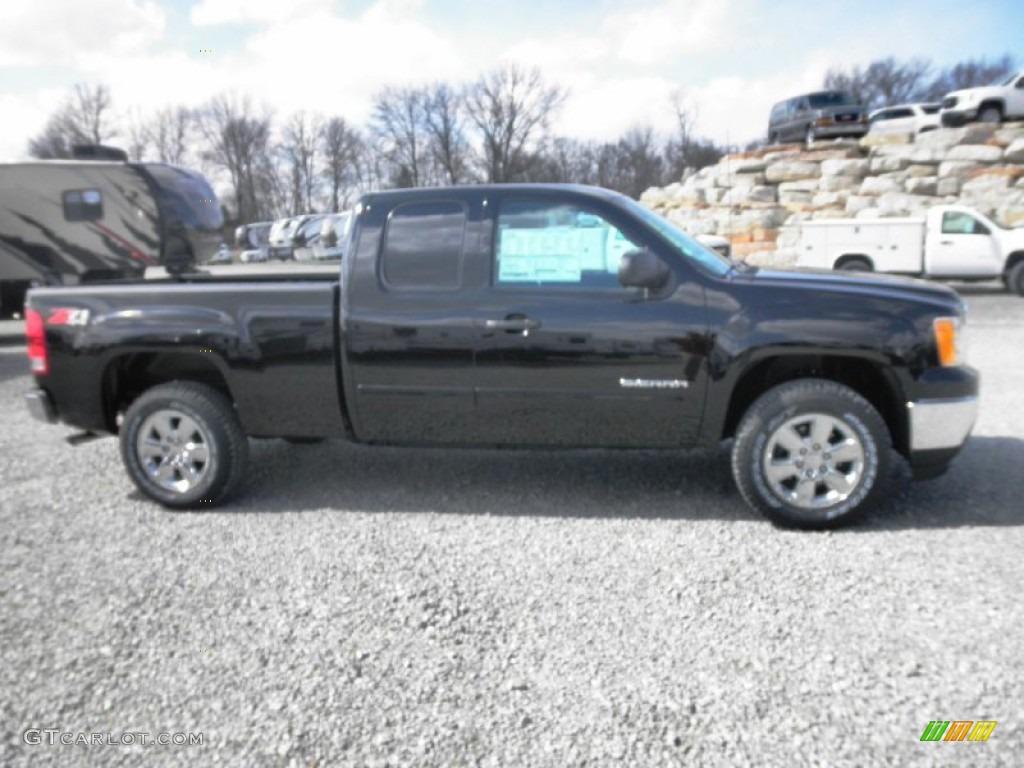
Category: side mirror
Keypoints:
(643, 269)
(330, 238)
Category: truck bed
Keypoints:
(271, 343)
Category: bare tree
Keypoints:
(882, 82)
(633, 163)
(570, 161)
(341, 146)
(53, 141)
(85, 117)
(969, 74)
(299, 147)
(137, 135)
(399, 125)
(511, 108)
(444, 121)
(238, 141)
(169, 132)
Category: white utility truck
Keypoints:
(952, 242)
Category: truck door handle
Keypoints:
(945, 242)
(512, 324)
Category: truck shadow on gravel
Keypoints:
(981, 488)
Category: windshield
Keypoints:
(831, 99)
(707, 259)
(1008, 80)
(189, 195)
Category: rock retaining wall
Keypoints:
(750, 196)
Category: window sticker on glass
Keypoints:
(558, 245)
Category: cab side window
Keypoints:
(83, 205)
(956, 223)
(557, 246)
(423, 246)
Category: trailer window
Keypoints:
(83, 205)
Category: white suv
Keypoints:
(989, 104)
(905, 118)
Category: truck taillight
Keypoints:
(35, 333)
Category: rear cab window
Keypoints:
(423, 246)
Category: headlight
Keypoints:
(948, 340)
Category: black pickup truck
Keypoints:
(517, 315)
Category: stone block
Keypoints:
(975, 153)
(791, 170)
(922, 185)
(872, 140)
(957, 169)
(875, 185)
(1014, 153)
(884, 164)
(855, 167)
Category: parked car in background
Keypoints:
(281, 237)
(254, 241)
(222, 255)
(306, 237)
(334, 231)
(987, 104)
(819, 115)
(905, 118)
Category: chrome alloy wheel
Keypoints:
(813, 461)
(173, 450)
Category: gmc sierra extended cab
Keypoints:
(517, 315)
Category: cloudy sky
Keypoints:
(620, 59)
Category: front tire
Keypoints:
(990, 113)
(812, 454)
(1014, 279)
(183, 445)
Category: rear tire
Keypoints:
(855, 265)
(812, 454)
(183, 445)
(1015, 279)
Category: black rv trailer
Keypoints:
(98, 217)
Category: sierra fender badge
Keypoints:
(653, 383)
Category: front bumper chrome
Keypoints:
(941, 423)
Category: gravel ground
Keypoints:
(410, 607)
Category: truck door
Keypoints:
(963, 247)
(566, 355)
(408, 321)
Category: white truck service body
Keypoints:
(951, 241)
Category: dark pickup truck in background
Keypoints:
(517, 315)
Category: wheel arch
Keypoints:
(871, 380)
(128, 375)
(846, 258)
(998, 103)
(1015, 258)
